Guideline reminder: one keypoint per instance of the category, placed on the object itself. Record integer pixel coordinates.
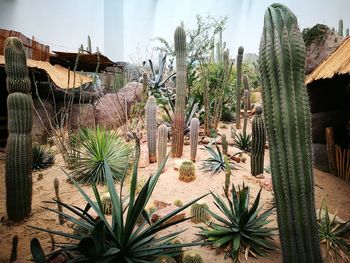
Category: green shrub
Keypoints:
(42, 157)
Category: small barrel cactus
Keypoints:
(187, 171)
(106, 203)
(151, 127)
(224, 143)
(178, 203)
(194, 132)
(192, 257)
(56, 184)
(199, 213)
(162, 143)
(238, 87)
(258, 142)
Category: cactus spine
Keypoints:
(187, 171)
(224, 143)
(19, 142)
(151, 126)
(340, 27)
(199, 213)
(227, 175)
(56, 185)
(258, 142)
(288, 123)
(238, 87)
(162, 143)
(245, 120)
(194, 132)
(179, 115)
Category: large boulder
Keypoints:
(320, 156)
(112, 108)
(82, 115)
(42, 116)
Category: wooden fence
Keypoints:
(34, 50)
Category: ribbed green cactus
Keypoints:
(162, 143)
(258, 142)
(224, 143)
(181, 90)
(194, 132)
(192, 257)
(20, 122)
(288, 123)
(246, 87)
(178, 203)
(151, 127)
(144, 82)
(106, 204)
(89, 49)
(227, 175)
(187, 171)
(245, 116)
(347, 32)
(56, 184)
(340, 27)
(238, 86)
(199, 213)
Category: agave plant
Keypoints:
(122, 239)
(99, 146)
(216, 162)
(42, 157)
(333, 234)
(241, 229)
(243, 141)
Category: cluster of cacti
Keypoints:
(181, 89)
(238, 86)
(258, 142)
(340, 27)
(106, 204)
(199, 213)
(246, 107)
(162, 143)
(194, 133)
(187, 171)
(192, 257)
(56, 185)
(178, 203)
(224, 143)
(151, 127)
(288, 123)
(227, 175)
(20, 122)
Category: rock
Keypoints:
(204, 140)
(161, 204)
(144, 158)
(266, 183)
(82, 116)
(236, 159)
(322, 120)
(165, 211)
(42, 115)
(110, 110)
(320, 156)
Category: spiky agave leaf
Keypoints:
(216, 162)
(243, 141)
(241, 229)
(42, 157)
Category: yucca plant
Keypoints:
(241, 229)
(333, 234)
(100, 146)
(243, 141)
(42, 157)
(216, 162)
(122, 239)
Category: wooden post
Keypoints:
(331, 150)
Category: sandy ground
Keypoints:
(168, 189)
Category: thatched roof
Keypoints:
(62, 77)
(337, 63)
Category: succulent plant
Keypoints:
(215, 163)
(151, 127)
(162, 143)
(199, 213)
(227, 175)
(224, 143)
(238, 87)
(56, 184)
(243, 141)
(347, 32)
(288, 123)
(178, 203)
(258, 142)
(192, 257)
(194, 132)
(246, 87)
(246, 107)
(106, 204)
(42, 157)
(181, 90)
(187, 171)
(340, 27)
(18, 171)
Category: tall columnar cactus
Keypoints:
(181, 80)
(194, 132)
(89, 49)
(347, 32)
(56, 185)
(20, 122)
(245, 116)
(162, 143)
(227, 175)
(144, 82)
(246, 87)
(224, 143)
(151, 127)
(288, 123)
(340, 27)
(258, 142)
(238, 87)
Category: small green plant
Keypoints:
(241, 229)
(216, 162)
(187, 171)
(192, 257)
(42, 157)
(178, 203)
(224, 143)
(333, 234)
(243, 141)
(199, 213)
